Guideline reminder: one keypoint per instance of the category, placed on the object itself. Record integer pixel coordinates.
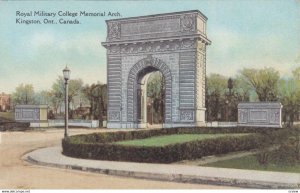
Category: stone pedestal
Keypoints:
(261, 114)
(37, 115)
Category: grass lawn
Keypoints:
(171, 139)
(250, 163)
(7, 116)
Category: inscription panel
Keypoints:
(258, 115)
(158, 26)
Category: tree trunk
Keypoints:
(100, 113)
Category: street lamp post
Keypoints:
(228, 102)
(66, 73)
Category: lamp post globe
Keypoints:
(66, 73)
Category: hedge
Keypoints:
(164, 154)
(109, 137)
(100, 146)
(14, 126)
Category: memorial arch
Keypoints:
(173, 44)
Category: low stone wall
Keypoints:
(74, 122)
(221, 124)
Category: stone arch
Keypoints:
(182, 46)
(132, 85)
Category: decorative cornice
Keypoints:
(199, 37)
(154, 46)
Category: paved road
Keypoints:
(16, 173)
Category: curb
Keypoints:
(182, 178)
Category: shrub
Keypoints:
(101, 146)
(281, 147)
(288, 152)
(14, 126)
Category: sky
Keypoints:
(244, 34)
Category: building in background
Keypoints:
(5, 102)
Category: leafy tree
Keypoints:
(99, 93)
(97, 96)
(215, 95)
(223, 96)
(289, 95)
(24, 94)
(264, 82)
(56, 100)
(87, 91)
(296, 73)
(242, 89)
(238, 91)
(58, 90)
(156, 93)
(43, 97)
(154, 85)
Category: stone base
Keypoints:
(39, 124)
(115, 125)
(259, 125)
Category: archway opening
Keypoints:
(150, 97)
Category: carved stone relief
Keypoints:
(114, 116)
(186, 115)
(188, 22)
(114, 30)
(187, 43)
(243, 116)
(115, 49)
(201, 46)
(274, 116)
